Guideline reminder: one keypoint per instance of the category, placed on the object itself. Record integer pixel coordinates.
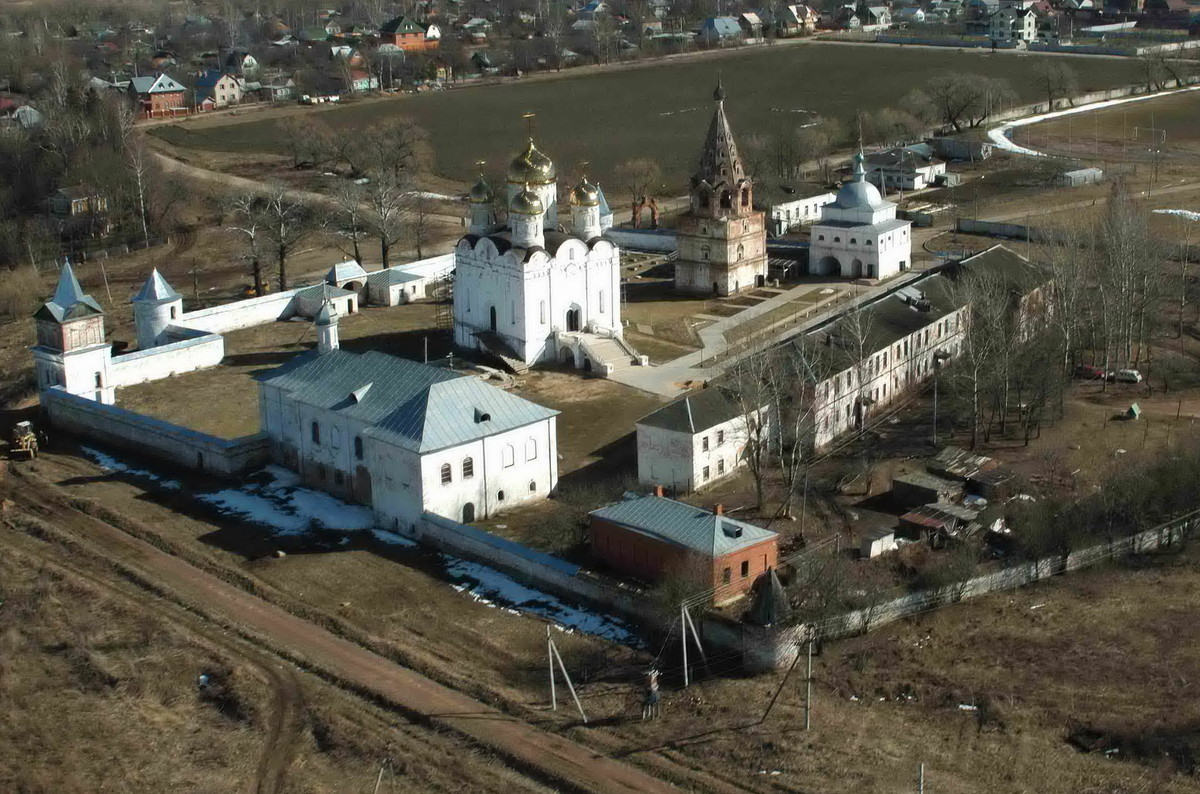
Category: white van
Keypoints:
(1127, 376)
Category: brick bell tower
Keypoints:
(722, 239)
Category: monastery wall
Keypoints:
(242, 314)
(656, 240)
(155, 363)
(176, 445)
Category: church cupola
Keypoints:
(585, 210)
(720, 187)
(155, 308)
(532, 170)
(525, 216)
(327, 329)
(483, 215)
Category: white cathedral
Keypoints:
(532, 290)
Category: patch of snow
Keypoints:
(392, 539)
(999, 135)
(967, 707)
(109, 463)
(1188, 214)
(281, 504)
(1037, 606)
(499, 590)
(854, 698)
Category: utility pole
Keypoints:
(808, 688)
(550, 655)
(921, 779)
(556, 656)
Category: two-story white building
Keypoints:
(1016, 22)
(406, 437)
(905, 168)
(863, 360)
(700, 438)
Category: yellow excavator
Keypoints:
(24, 441)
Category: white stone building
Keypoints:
(527, 292)
(407, 438)
(905, 168)
(697, 440)
(71, 351)
(787, 212)
(863, 360)
(859, 235)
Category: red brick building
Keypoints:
(158, 95)
(410, 36)
(652, 538)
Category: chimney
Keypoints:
(719, 510)
(658, 491)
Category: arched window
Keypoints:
(316, 433)
(746, 197)
(468, 468)
(358, 448)
(601, 301)
(532, 486)
(335, 437)
(853, 241)
(499, 496)
(542, 312)
(820, 237)
(741, 251)
(447, 474)
(704, 249)
(508, 457)
(726, 200)
(531, 449)
(837, 239)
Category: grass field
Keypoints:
(659, 110)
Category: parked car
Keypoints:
(1126, 376)
(1089, 372)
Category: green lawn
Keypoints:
(660, 110)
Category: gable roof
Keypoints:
(401, 25)
(411, 405)
(156, 288)
(209, 79)
(155, 84)
(694, 413)
(724, 27)
(684, 525)
(345, 271)
(69, 302)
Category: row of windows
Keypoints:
(508, 458)
(704, 440)
(706, 473)
(727, 573)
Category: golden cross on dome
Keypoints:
(529, 117)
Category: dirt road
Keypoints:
(287, 700)
(542, 755)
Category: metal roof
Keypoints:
(156, 288)
(684, 525)
(694, 413)
(411, 405)
(345, 271)
(69, 302)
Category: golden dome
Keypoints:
(481, 193)
(526, 203)
(532, 167)
(585, 194)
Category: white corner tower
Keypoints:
(327, 329)
(532, 171)
(585, 210)
(483, 214)
(526, 215)
(156, 307)
(70, 350)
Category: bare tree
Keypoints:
(639, 175)
(352, 227)
(249, 222)
(1056, 79)
(140, 167)
(387, 214)
(287, 222)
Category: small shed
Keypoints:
(310, 300)
(939, 523)
(922, 488)
(997, 483)
(1080, 177)
(394, 286)
(956, 463)
(877, 542)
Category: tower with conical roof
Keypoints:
(483, 215)
(326, 322)
(155, 308)
(71, 351)
(722, 238)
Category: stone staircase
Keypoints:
(496, 347)
(608, 354)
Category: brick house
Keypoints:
(653, 538)
(409, 35)
(157, 94)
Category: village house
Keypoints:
(752, 27)
(720, 32)
(407, 438)
(241, 64)
(698, 439)
(410, 35)
(796, 20)
(217, 89)
(1013, 23)
(875, 18)
(654, 539)
(157, 95)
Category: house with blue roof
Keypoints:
(720, 32)
(406, 438)
(653, 539)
